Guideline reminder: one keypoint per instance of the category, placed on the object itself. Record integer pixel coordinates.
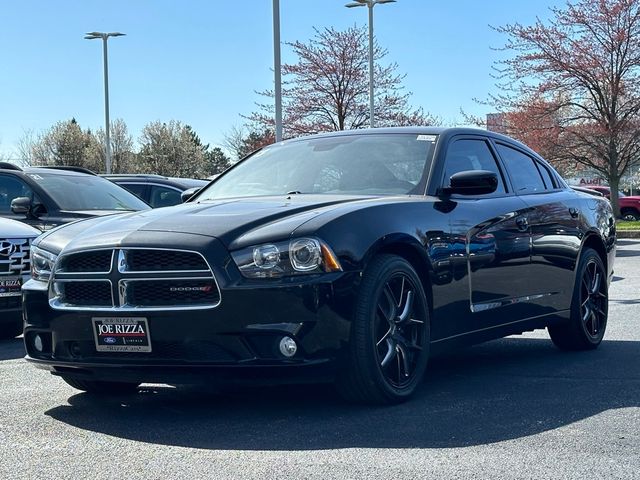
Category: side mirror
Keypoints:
(472, 182)
(21, 205)
(188, 193)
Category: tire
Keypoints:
(388, 349)
(589, 307)
(95, 386)
(11, 330)
(630, 215)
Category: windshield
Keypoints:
(371, 164)
(86, 192)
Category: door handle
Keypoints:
(574, 212)
(522, 223)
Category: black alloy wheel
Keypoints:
(589, 308)
(389, 346)
(398, 334)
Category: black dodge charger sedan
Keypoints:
(350, 256)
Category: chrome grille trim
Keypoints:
(121, 279)
(17, 262)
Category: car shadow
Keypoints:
(501, 390)
(11, 349)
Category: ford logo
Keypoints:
(110, 340)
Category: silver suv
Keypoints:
(15, 266)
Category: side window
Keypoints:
(138, 189)
(164, 197)
(546, 176)
(11, 188)
(523, 172)
(468, 154)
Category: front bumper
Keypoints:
(10, 310)
(234, 342)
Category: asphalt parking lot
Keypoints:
(512, 408)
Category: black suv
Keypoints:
(46, 197)
(156, 190)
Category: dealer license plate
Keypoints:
(121, 334)
(10, 286)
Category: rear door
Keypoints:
(553, 216)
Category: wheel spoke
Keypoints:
(384, 337)
(391, 352)
(595, 323)
(405, 361)
(596, 284)
(401, 292)
(393, 310)
(408, 308)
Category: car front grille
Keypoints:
(88, 293)
(15, 256)
(145, 292)
(131, 279)
(94, 261)
(163, 260)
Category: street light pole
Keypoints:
(370, 4)
(105, 37)
(276, 68)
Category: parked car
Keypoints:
(15, 265)
(156, 190)
(350, 256)
(629, 204)
(45, 197)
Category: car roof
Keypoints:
(147, 177)
(417, 130)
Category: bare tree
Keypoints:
(64, 144)
(122, 152)
(25, 146)
(171, 149)
(584, 64)
(328, 88)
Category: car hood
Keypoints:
(15, 229)
(251, 219)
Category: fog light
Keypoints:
(37, 343)
(288, 347)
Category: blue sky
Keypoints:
(201, 61)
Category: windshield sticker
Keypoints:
(426, 138)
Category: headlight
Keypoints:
(41, 264)
(275, 260)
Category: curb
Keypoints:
(627, 233)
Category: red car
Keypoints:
(629, 204)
